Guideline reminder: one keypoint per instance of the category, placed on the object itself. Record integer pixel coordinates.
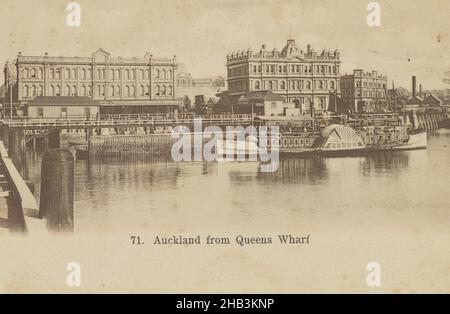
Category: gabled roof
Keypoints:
(63, 101)
(265, 95)
(213, 101)
(431, 100)
(101, 51)
(414, 100)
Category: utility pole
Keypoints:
(10, 97)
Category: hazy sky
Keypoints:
(202, 32)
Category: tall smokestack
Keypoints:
(414, 86)
(420, 90)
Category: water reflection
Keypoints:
(385, 163)
(191, 195)
(308, 171)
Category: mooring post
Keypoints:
(54, 140)
(5, 134)
(88, 133)
(16, 147)
(57, 190)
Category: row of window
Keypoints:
(283, 69)
(294, 85)
(291, 142)
(100, 91)
(365, 93)
(350, 84)
(84, 74)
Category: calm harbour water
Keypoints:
(388, 192)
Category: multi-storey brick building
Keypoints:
(364, 91)
(305, 78)
(131, 85)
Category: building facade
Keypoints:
(122, 82)
(62, 107)
(265, 103)
(304, 78)
(364, 91)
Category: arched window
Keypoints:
(157, 73)
(158, 90)
(127, 91)
(111, 74)
(74, 73)
(26, 73)
(270, 85)
(283, 85)
(117, 94)
(127, 74)
(254, 69)
(257, 85)
(170, 90)
(132, 76)
(33, 73)
(26, 91)
(112, 90)
(133, 91)
(67, 74)
(67, 91)
(169, 74)
(308, 84)
(142, 90)
(41, 90)
(83, 74)
(148, 90)
(41, 73)
(163, 73)
(58, 90)
(52, 90)
(322, 103)
(141, 74)
(83, 91)
(332, 84)
(146, 74)
(117, 74)
(74, 90)
(33, 91)
(52, 73)
(99, 91)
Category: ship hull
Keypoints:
(415, 142)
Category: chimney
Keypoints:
(420, 90)
(413, 86)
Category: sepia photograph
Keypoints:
(214, 147)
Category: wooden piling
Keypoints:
(16, 147)
(54, 139)
(57, 190)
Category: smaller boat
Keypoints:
(415, 141)
(238, 148)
